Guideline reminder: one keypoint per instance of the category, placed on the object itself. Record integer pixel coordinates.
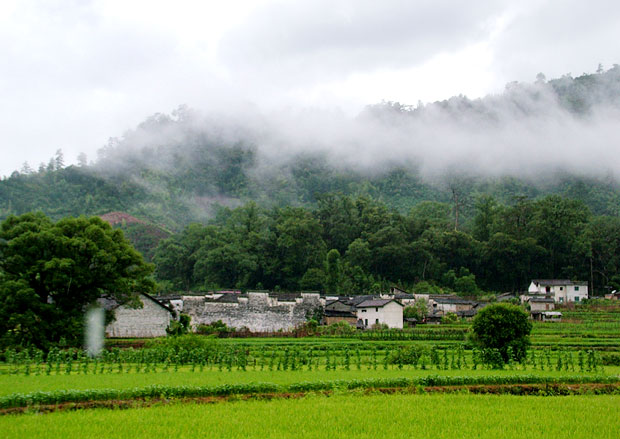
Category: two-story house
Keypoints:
(560, 290)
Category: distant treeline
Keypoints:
(355, 245)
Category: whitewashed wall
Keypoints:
(149, 321)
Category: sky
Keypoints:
(74, 73)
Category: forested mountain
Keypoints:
(444, 159)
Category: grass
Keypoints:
(26, 384)
(376, 416)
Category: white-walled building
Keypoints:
(380, 311)
(561, 290)
(149, 321)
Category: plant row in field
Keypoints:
(243, 357)
(167, 392)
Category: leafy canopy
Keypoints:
(504, 327)
(50, 272)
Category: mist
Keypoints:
(530, 131)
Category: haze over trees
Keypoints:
(465, 195)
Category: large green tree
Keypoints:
(504, 327)
(51, 272)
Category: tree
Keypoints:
(298, 246)
(486, 212)
(82, 159)
(504, 327)
(418, 311)
(59, 159)
(333, 270)
(51, 272)
(557, 224)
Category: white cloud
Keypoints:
(74, 73)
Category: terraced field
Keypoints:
(428, 382)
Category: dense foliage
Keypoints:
(504, 327)
(360, 245)
(173, 169)
(309, 222)
(51, 271)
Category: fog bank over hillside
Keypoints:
(531, 130)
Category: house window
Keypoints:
(377, 321)
(576, 298)
(561, 299)
(548, 289)
(561, 288)
(366, 322)
(363, 310)
(376, 309)
(576, 288)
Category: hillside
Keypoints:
(181, 168)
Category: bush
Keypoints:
(215, 328)
(338, 328)
(418, 311)
(504, 327)
(449, 318)
(611, 359)
(179, 327)
(185, 342)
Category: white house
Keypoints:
(149, 321)
(380, 311)
(561, 290)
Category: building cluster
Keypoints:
(267, 312)
(543, 294)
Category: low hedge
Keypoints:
(170, 392)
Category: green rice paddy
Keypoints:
(339, 416)
(558, 350)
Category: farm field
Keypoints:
(360, 416)
(10, 384)
(427, 382)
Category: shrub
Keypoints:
(179, 327)
(216, 328)
(449, 318)
(504, 327)
(418, 311)
(185, 342)
(338, 328)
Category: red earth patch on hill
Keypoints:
(114, 218)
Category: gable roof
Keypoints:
(377, 303)
(558, 282)
(542, 300)
(110, 304)
(455, 300)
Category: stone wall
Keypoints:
(258, 312)
(149, 321)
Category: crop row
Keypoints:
(168, 392)
(242, 357)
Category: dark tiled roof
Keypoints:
(454, 300)
(376, 303)
(558, 282)
(542, 300)
(166, 297)
(110, 303)
(355, 300)
(286, 297)
(226, 298)
(332, 313)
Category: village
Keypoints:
(263, 312)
